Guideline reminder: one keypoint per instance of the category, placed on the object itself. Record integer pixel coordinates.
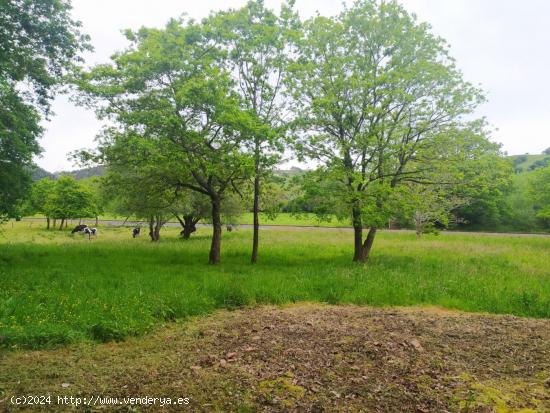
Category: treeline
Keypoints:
(38, 173)
(515, 205)
(63, 199)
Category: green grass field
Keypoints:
(56, 288)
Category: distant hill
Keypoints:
(526, 163)
(39, 173)
(293, 171)
(85, 172)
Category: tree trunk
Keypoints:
(418, 225)
(47, 222)
(188, 224)
(54, 223)
(361, 249)
(152, 228)
(215, 247)
(158, 226)
(358, 234)
(256, 206)
(96, 220)
(367, 245)
(61, 225)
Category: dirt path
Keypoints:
(295, 227)
(309, 358)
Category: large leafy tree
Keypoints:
(540, 193)
(39, 44)
(256, 41)
(135, 192)
(96, 199)
(62, 200)
(379, 97)
(39, 198)
(168, 95)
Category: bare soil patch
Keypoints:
(310, 358)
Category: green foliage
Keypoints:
(540, 193)
(64, 198)
(524, 163)
(521, 215)
(39, 44)
(255, 43)
(40, 197)
(541, 163)
(19, 130)
(69, 200)
(133, 193)
(315, 195)
(96, 200)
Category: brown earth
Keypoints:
(309, 358)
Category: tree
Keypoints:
(39, 44)
(378, 97)
(168, 94)
(539, 163)
(68, 200)
(483, 176)
(540, 193)
(546, 151)
(315, 194)
(428, 205)
(256, 41)
(96, 198)
(135, 192)
(39, 199)
(193, 207)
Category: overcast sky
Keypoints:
(500, 44)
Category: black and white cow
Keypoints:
(90, 231)
(79, 228)
(136, 231)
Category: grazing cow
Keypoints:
(136, 231)
(79, 228)
(90, 231)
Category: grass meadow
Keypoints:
(58, 288)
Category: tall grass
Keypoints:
(56, 288)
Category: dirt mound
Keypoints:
(308, 358)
